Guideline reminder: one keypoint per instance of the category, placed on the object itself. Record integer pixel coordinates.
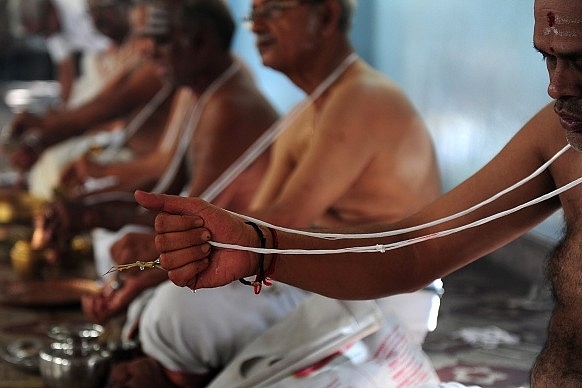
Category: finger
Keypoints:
(182, 257)
(175, 223)
(171, 203)
(187, 276)
(181, 239)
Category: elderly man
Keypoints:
(322, 167)
(553, 131)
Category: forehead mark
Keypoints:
(556, 21)
(551, 19)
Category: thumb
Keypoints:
(172, 204)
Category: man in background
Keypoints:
(354, 152)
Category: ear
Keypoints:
(329, 16)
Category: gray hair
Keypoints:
(348, 10)
(214, 14)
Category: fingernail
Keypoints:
(205, 236)
(199, 222)
(205, 248)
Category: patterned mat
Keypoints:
(491, 327)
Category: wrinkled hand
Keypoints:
(134, 246)
(76, 173)
(24, 157)
(117, 293)
(183, 229)
(23, 122)
(112, 298)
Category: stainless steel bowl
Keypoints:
(76, 332)
(76, 358)
(67, 365)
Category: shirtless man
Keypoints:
(132, 81)
(558, 36)
(310, 181)
(231, 114)
(225, 114)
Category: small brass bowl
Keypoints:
(18, 206)
(27, 263)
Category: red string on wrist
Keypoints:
(262, 275)
(271, 270)
(257, 284)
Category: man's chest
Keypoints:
(565, 267)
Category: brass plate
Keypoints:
(46, 293)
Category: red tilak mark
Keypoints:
(551, 19)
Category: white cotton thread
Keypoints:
(261, 144)
(190, 127)
(383, 247)
(335, 236)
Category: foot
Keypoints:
(141, 372)
(146, 372)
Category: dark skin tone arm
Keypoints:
(122, 96)
(185, 224)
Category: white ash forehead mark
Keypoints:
(557, 21)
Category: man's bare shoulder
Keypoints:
(367, 100)
(238, 108)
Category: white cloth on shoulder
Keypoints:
(45, 174)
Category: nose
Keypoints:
(563, 81)
(257, 24)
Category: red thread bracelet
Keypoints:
(273, 262)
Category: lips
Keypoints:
(570, 123)
(264, 41)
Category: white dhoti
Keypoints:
(45, 174)
(203, 331)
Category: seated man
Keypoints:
(133, 87)
(223, 114)
(543, 157)
(321, 168)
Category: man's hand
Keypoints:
(134, 246)
(23, 122)
(183, 229)
(118, 292)
(23, 157)
(75, 174)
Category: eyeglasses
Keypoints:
(155, 24)
(272, 10)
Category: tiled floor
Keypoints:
(491, 326)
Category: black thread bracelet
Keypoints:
(257, 284)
